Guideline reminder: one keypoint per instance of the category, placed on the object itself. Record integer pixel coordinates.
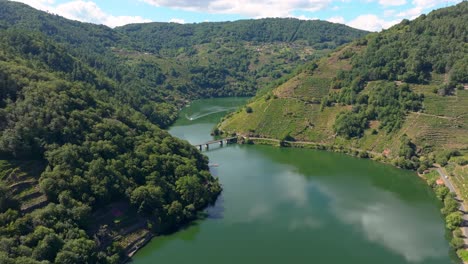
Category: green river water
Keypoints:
(285, 205)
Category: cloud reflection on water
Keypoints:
(386, 220)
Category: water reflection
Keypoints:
(382, 218)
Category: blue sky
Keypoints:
(373, 15)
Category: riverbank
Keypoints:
(360, 153)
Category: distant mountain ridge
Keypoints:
(315, 33)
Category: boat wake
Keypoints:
(199, 115)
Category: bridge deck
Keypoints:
(215, 141)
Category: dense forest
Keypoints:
(188, 61)
(94, 151)
(319, 34)
(86, 170)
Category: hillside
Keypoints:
(401, 94)
(80, 169)
(86, 172)
(187, 61)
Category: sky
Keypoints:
(372, 15)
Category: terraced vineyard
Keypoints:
(21, 178)
(459, 176)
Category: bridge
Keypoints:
(221, 142)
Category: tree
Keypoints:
(48, 247)
(190, 190)
(149, 200)
(457, 243)
(450, 205)
(441, 192)
(349, 124)
(453, 220)
(77, 251)
(407, 148)
(457, 233)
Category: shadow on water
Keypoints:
(187, 232)
(217, 210)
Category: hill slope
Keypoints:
(80, 169)
(383, 93)
(191, 60)
(86, 172)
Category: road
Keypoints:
(449, 185)
(310, 143)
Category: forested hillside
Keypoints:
(187, 61)
(70, 149)
(86, 172)
(400, 94)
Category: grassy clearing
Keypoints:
(432, 176)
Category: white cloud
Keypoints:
(419, 6)
(85, 11)
(38, 4)
(177, 20)
(336, 19)
(303, 17)
(411, 13)
(392, 2)
(371, 22)
(256, 9)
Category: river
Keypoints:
(285, 205)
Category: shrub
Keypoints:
(457, 243)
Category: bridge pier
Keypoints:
(221, 142)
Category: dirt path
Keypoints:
(443, 117)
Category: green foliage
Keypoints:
(7, 201)
(457, 243)
(441, 192)
(450, 205)
(463, 253)
(248, 110)
(443, 157)
(453, 220)
(99, 136)
(458, 233)
(148, 199)
(350, 124)
(168, 62)
(407, 148)
(385, 102)
(155, 37)
(410, 52)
